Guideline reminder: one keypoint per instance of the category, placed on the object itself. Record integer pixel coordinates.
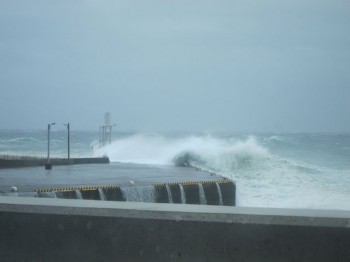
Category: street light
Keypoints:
(48, 165)
(67, 125)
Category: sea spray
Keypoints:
(234, 157)
(201, 151)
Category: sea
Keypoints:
(282, 170)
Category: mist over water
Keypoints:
(34, 143)
(270, 170)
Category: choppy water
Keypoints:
(271, 170)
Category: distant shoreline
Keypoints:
(13, 161)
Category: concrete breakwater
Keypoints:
(7, 161)
(221, 192)
(66, 230)
(121, 182)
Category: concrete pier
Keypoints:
(76, 230)
(121, 182)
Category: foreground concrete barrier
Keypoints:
(39, 229)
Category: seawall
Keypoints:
(39, 229)
(220, 192)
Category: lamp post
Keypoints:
(68, 142)
(48, 165)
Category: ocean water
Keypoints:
(300, 170)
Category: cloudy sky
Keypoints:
(166, 65)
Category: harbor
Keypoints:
(138, 211)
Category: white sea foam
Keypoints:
(153, 149)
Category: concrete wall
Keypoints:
(215, 193)
(38, 229)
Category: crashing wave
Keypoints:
(187, 159)
(205, 152)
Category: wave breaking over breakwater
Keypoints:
(303, 170)
(265, 173)
(193, 150)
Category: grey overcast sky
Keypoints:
(161, 65)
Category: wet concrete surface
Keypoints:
(34, 178)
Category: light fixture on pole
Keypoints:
(68, 126)
(48, 165)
